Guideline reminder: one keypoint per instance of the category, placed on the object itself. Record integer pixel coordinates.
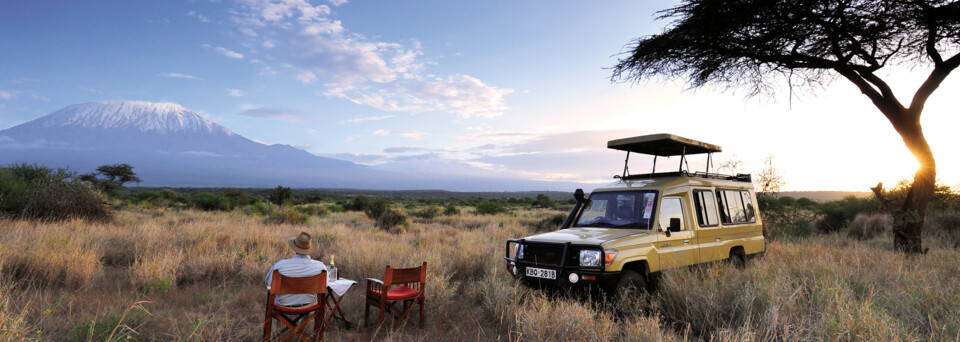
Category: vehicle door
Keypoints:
(709, 232)
(677, 240)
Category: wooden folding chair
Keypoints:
(291, 317)
(408, 289)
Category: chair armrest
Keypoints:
(378, 281)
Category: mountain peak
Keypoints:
(163, 118)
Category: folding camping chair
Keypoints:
(409, 283)
(292, 317)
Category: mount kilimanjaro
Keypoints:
(169, 145)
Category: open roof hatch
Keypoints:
(666, 145)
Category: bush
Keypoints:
(551, 223)
(259, 209)
(428, 212)
(288, 215)
(490, 208)
(542, 201)
(281, 195)
(866, 226)
(451, 210)
(391, 218)
(837, 214)
(789, 222)
(239, 198)
(36, 192)
(358, 203)
(210, 202)
(373, 209)
(335, 208)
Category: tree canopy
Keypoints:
(763, 44)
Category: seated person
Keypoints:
(300, 265)
(625, 213)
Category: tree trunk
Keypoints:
(908, 221)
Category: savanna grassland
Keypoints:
(164, 274)
(82, 263)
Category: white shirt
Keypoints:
(297, 267)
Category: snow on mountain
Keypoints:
(162, 118)
(169, 145)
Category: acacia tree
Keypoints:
(761, 45)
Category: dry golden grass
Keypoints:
(202, 274)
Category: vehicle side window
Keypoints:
(749, 209)
(671, 207)
(706, 208)
(731, 207)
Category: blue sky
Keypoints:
(516, 88)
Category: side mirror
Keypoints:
(674, 225)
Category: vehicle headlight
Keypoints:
(519, 251)
(589, 257)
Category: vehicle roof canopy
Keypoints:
(663, 144)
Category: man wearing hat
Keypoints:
(300, 265)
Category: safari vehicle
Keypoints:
(625, 232)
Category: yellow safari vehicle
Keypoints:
(625, 232)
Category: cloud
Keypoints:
(405, 134)
(271, 113)
(401, 150)
(390, 76)
(182, 76)
(228, 53)
(199, 16)
(6, 95)
(369, 118)
(235, 92)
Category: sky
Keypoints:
(510, 88)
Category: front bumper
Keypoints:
(584, 275)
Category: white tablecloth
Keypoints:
(340, 286)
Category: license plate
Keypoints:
(541, 273)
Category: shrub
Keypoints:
(542, 201)
(358, 203)
(866, 226)
(490, 208)
(148, 197)
(259, 209)
(789, 222)
(334, 208)
(451, 210)
(36, 192)
(288, 215)
(281, 195)
(390, 218)
(837, 214)
(239, 198)
(376, 207)
(210, 202)
(428, 212)
(551, 223)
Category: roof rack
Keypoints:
(665, 145)
(740, 177)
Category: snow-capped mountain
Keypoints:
(169, 145)
(161, 118)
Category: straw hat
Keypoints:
(301, 243)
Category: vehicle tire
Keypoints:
(631, 285)
(737, 258)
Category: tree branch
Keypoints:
(939, 73)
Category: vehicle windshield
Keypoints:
(621, 209)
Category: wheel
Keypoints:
(737, 258)
(631, 285)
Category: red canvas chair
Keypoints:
(408, 288)
(281, 284)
